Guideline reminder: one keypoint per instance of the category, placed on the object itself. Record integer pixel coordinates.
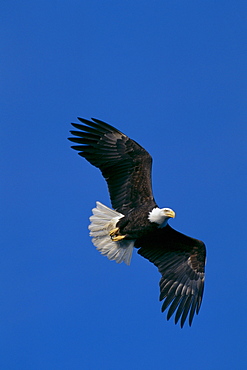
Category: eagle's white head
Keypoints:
(161, 216)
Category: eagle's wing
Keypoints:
(181, 262)
(125, 165)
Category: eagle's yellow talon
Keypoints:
(118, 237)
(114, 231)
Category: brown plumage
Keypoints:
(126, 166)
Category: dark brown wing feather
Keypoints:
(181, 262)
(125, 165)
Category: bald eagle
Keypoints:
(137, 221)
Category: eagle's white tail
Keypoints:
(103, 220)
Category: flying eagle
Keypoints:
(137, 221)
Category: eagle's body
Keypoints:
(137, 221)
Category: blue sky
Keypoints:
(172, 76)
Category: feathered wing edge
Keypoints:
(125, 165)
(182, 269)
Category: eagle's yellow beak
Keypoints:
(170, 213)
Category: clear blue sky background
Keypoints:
(172, 76)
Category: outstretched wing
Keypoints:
(181, 262)
(125, 165)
